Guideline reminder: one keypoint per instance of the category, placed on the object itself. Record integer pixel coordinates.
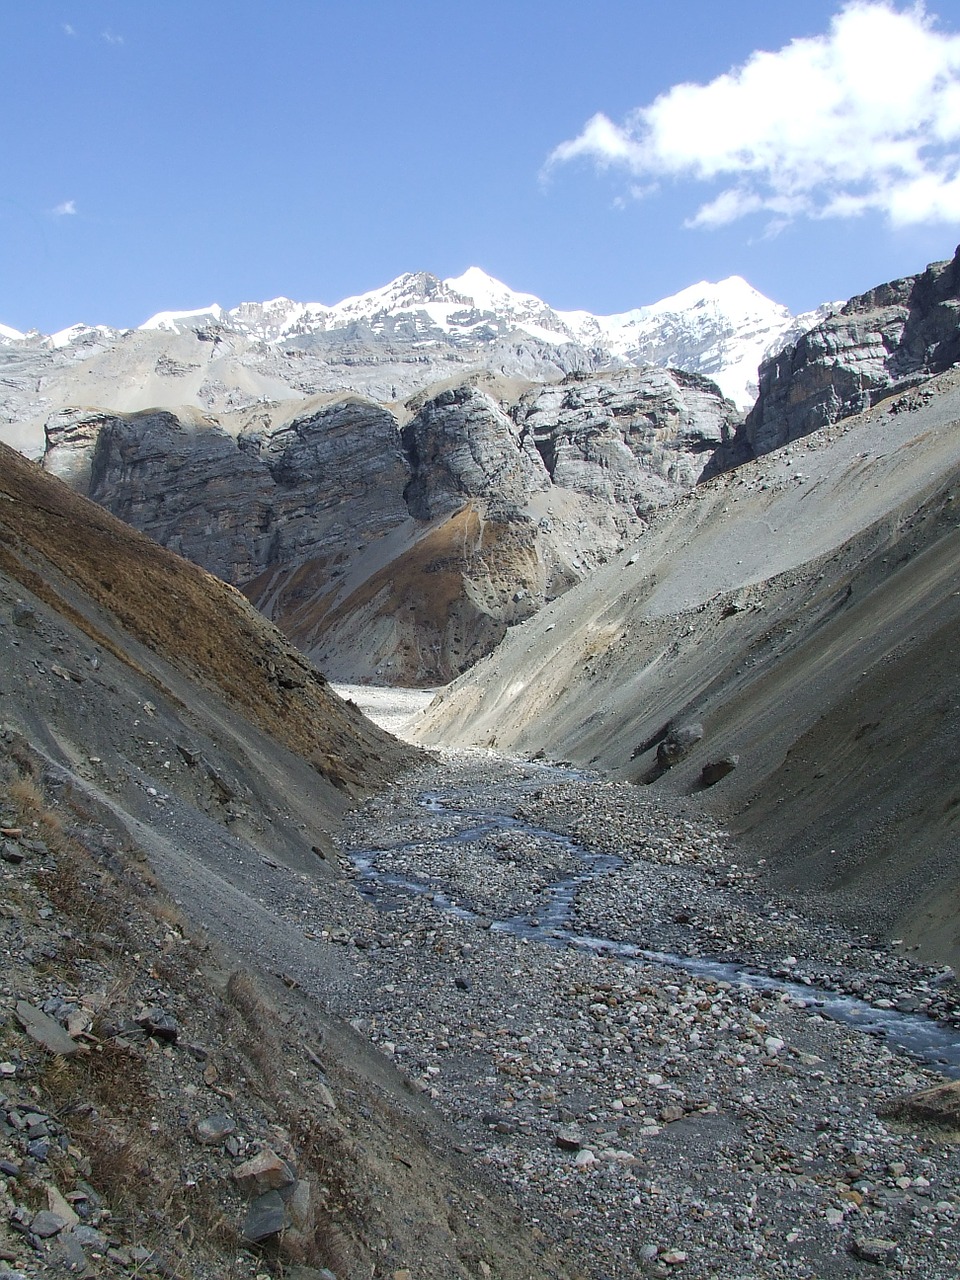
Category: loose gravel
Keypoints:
(650, 1120)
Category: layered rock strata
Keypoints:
(880, 343)
(402, 549)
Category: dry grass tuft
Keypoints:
(262, 1042)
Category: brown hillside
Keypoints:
(81, 560)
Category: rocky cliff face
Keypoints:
(880, 342)
(275, 493)
(633, 439)
(463, 445)
(402, 552)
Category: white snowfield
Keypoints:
(721, 330)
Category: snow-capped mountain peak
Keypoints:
(486, 291)
(723, 330)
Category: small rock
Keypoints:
(71, 1255)
(215, 1128)
(265, 1171)
(266, 1216)
(873, 1249)
(11, 853)
(56, 1204)
(46, 1224)
(159, 1024)
(45, 1030)
(568, 1140)
(90, 1238)
(23, 615)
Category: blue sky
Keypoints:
(168, 155)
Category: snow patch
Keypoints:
(171, 320)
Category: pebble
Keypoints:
(214, 1128)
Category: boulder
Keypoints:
(711, 773)
(678, 744)
(937, 1107)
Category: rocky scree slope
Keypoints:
(401, 546)
(387, 345)
(174, 1099)
(80, 560)
(795, 623)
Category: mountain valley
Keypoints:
(606, 966)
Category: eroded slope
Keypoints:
(802, 610)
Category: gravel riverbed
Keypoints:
(652, 1120)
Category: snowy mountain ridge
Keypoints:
(722, 330)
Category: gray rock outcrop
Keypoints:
(463, 445)
(634, 438)
(273, 494)
(879, 343)
(402, 552)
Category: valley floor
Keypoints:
(528, 948)
(651, 1120)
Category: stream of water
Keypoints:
(925, 1039)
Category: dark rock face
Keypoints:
(889, 338)
(272, 495)
(186, 485)
(462, 445)
(404, 553)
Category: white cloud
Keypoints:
(68, 30)
(111, 37)
(64, 210)
(865, 117)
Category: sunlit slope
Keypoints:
(804, 610)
